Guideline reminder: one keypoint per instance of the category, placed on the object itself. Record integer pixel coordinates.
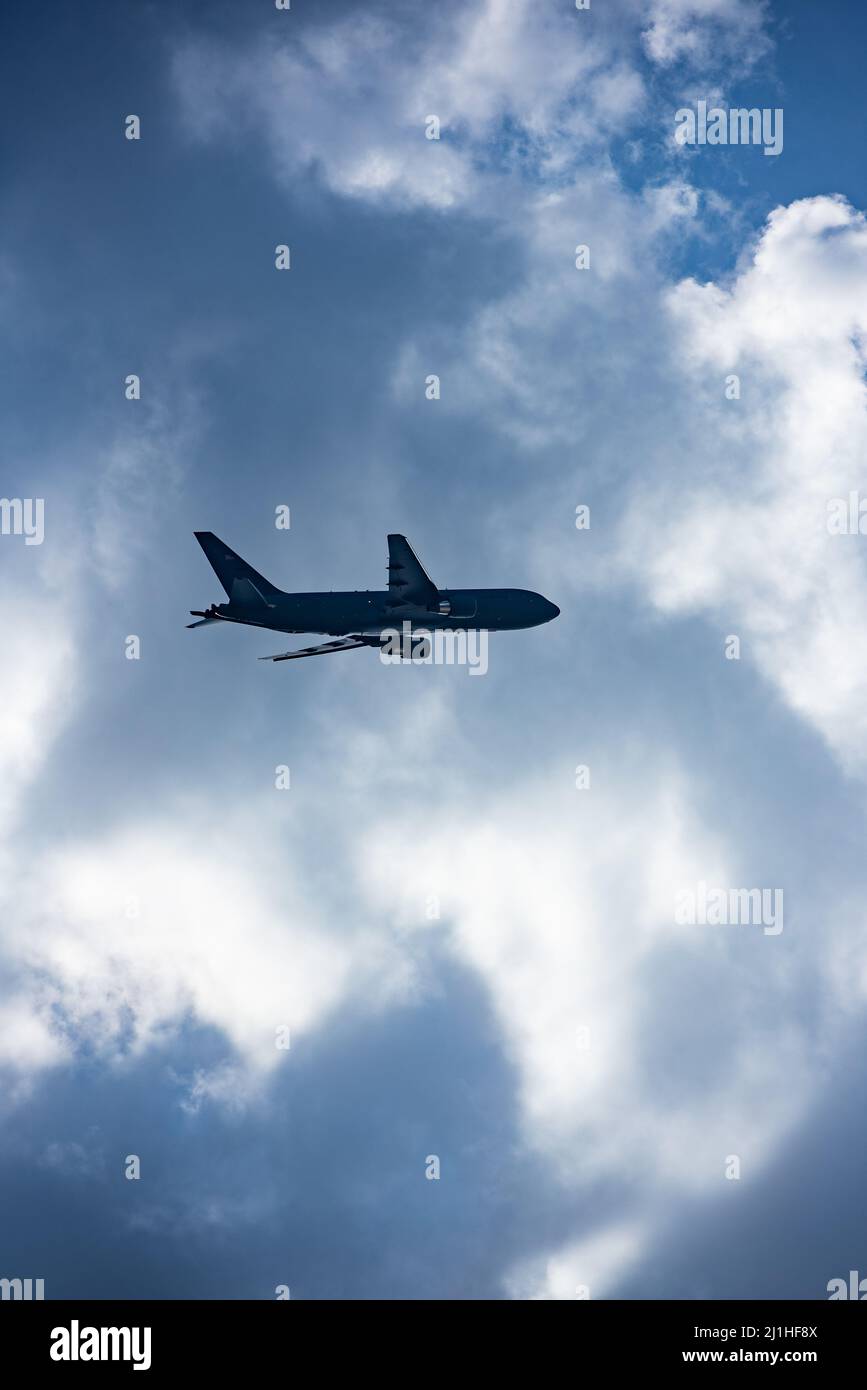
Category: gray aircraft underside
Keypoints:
(360, 618)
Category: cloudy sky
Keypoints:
(476, 958)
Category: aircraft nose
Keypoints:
(551, 610)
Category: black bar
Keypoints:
(241, 1336)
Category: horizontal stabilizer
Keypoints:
(207, 618)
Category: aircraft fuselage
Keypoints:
(372, 611)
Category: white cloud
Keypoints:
(706, 32)
(39, 674)
(737, 529)
(351, 98)
(545, 363)
(513, 83)
(576, 955)
(578, 1270)
(27, 1041)
(156, 924)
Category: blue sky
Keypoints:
(164, 908)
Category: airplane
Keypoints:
(360, 618)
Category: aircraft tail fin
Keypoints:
(408, 581)
(232, 571)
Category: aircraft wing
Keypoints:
(342, 644)
(408, 583)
